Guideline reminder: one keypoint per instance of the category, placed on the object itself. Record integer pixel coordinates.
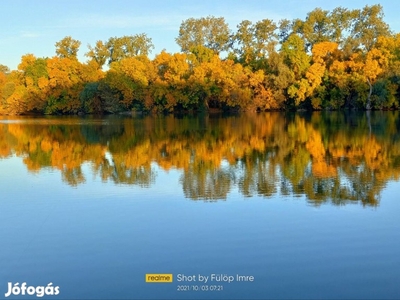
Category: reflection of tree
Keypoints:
(142, 176)
(73, 176)
(325, 156)
(5, 145)
(102, 133)
(202, 182)
(258, 176)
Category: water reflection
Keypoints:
(327, 156)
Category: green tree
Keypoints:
(254, 42)
(200, 54)
(128, 46)
(244, 40)
(285, 29)
(367, 26)
(316, 28)
(298, 62)
(98, 53)
(4, 69)
(210, 32)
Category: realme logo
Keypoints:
(159, 278)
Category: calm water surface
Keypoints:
(307, 204)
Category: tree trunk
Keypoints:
(369, 122)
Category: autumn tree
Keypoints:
(4, 71)
(386, 88)
(170, 88)
(67, 48)
(65, 83)
(35, 78)
(21, 92)
(323, 55)
(125, 86)
(200, 54)
(2, 84)
(374, 65)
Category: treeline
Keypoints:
(339, 59)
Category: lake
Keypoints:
(261, 206)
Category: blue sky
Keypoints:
(35, 26)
